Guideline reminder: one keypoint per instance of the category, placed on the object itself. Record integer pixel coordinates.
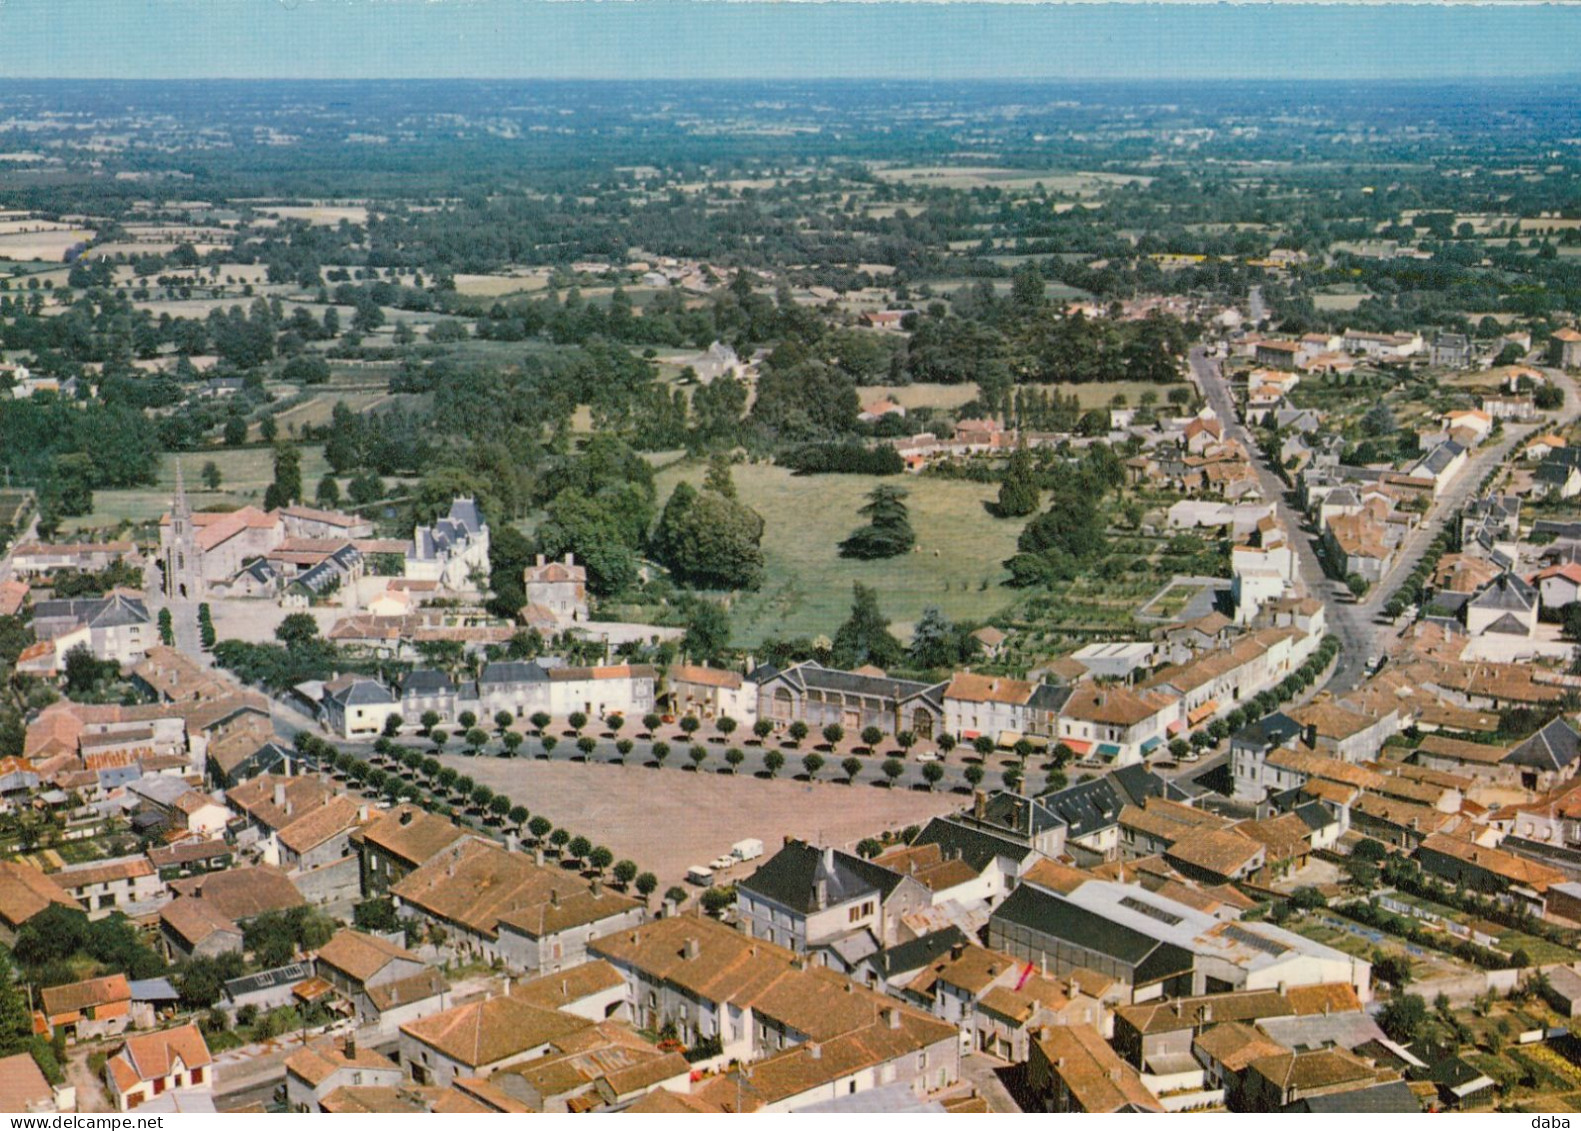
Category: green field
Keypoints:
(246, 472)
(807, 589)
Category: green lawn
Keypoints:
(246, 474)
(807, 589)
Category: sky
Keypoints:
(728, 39)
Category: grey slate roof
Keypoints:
(507, 673)
(1090, 806)
(1508, 591)
(1507, 625)
(1440, 457)
(1395, 1096)
(1552, 748)
(791, 876)
(117, 611)
(1049, 697)
(462, 522)
(1039, 911)
(1267, 732)
(914, 955)
(1559, 531)
(161, 790)
(976, 847)
(427, 681)
(812, 674)
(363, 691)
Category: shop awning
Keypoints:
(1081, 749)
(1177, 726)
(1008, 738)
(1206, 711)
(1152, 744)
(1108, 750)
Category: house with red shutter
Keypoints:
(153, 1064)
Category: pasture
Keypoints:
(497, 286)
(246, 472)
(807, 585)
(49, 244)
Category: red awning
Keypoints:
(1077, 745)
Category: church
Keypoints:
(254, 553)
(206, 549)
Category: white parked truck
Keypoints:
(700, 874)
(749, 849)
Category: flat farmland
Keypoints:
(668, 820)
(320, 215)
(984, 176)
(246, 472)
(1338, 302)
(807, 585)
(318, 409)
(496, 286)
(45, 245)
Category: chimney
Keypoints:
(351, 1046)
(821, 893)
(692, 949)
(537, 856)
(891, 1017)
(979, 804)
(815, 1050)
(570, 558)
(828, 859)
(540, 561)
(956, 950)
(279, 795)
(596, 887)
(406, 817)
(554, 897)
(362, 812)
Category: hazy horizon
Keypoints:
(506, 40)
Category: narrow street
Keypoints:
(1356, 622)
(1349, 621)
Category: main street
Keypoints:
(1356, 622)
(1346, 619)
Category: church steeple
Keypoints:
(180, 511)
(181, 551)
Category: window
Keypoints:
(197, 1075)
